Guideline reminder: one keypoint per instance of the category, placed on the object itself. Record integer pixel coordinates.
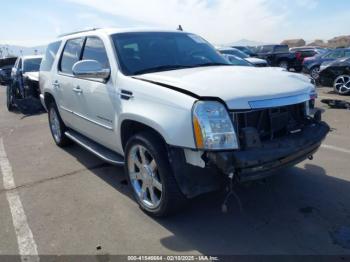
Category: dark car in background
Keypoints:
(246, 50)
(235, 52)
(279, 55)
(337, 74)
(312, 65)
(24, 80)
(6, 65)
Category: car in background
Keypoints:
(232, 51)
(6, 65)
(311, 65)
(246, 50)
(24, 80)
(337, 74)
(306, 52)
(279, 55)
(237, 61)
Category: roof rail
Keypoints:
(77, 32)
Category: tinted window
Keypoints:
(31, 65)
(282, 48)
(95, 50)
(71, 55)
(347, 53)
(49, 57)
(146, 52)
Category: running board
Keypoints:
(100, 151)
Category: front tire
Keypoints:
(150, 175)
(315, 72)
(9, 99)
(342, 85)
(57, 126)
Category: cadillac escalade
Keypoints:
(180, 118)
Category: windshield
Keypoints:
(31, 65)
(234, 52)
(147, 52)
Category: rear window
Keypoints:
(50, 55)
(71, 55)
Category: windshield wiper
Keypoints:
(161, 68)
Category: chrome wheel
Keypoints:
(342, 84)
(144, 177)
(315, 73)
(55, 125)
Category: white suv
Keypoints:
(171, 109)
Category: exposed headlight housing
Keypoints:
(213, 128)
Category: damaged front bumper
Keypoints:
(259, 162)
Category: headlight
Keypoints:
(213, 129)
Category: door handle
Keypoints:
(78, 90)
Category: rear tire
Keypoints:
(151, 177)
(9, 99)
(57, 127)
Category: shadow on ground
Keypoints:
(302, 210)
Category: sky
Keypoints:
(36, 22)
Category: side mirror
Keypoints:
(90, 69)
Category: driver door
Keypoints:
(95, 100)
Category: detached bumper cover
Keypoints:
(256, 163)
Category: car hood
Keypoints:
(34, 76)
(239, 87)
(254, 60)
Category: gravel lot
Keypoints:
(76, 204)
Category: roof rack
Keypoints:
(77, 32)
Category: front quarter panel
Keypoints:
(167, 111)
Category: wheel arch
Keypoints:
(48, 98)
(130, 127)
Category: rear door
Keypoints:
(46, 68)
(64, 82)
